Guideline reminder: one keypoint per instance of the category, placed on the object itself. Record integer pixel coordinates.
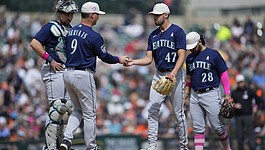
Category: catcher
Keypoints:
(49, 44)
(205, 69)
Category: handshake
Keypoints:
(126, 61)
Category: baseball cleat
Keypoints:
(66, 145)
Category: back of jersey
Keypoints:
(79, 48)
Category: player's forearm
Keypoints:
(187, 88)
(142, 61)
(180, 61)
(110, 59)
(37, 47)
(225, 82)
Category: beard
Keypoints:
(159, 22)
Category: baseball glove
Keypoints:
(227, 109)
(164, 85)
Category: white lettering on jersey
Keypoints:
(200, 64)
(163, 43)
(103, 49)
(79, 33)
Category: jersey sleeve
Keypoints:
(149, 46)
(44, 34)
(180, 38)
(102, 53)
(220, 63)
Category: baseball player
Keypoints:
(167, 46)
(49, 43)
(205, 69)
(83, 47)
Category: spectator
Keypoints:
(237, 30)
(249, 31)
(4, 130)
(243, 97)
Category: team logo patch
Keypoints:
(172, 34)
(103, 49)
(94, 8)
(207, 58)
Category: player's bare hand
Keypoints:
(56, 66)
(170, 76)
(125, 60)
(237, 106)
(229, 98)
(128, 62)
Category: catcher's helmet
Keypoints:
(67, 6)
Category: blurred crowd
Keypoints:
(122, 92)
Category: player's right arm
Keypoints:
(37, 47)
(147, 60)
(187, 90)
(39, 50)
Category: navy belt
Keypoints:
(83, 69)
(164, 70)
(204, 90)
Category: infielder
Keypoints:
(49, 44)
(83, 47)
(205, 69)
(167, 46)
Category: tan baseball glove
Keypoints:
(164, 85)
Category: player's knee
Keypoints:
(69, 107)
(154, 107)
(63, 106)
(58, 109)
(219, 131)
(199, 130)
(69, 110)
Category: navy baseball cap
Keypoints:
(192, 40)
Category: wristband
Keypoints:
(188, 84)
(49, 59)
(45, 55)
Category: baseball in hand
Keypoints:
(127, 60)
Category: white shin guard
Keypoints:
(59, 113)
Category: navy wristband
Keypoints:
(49, 59)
